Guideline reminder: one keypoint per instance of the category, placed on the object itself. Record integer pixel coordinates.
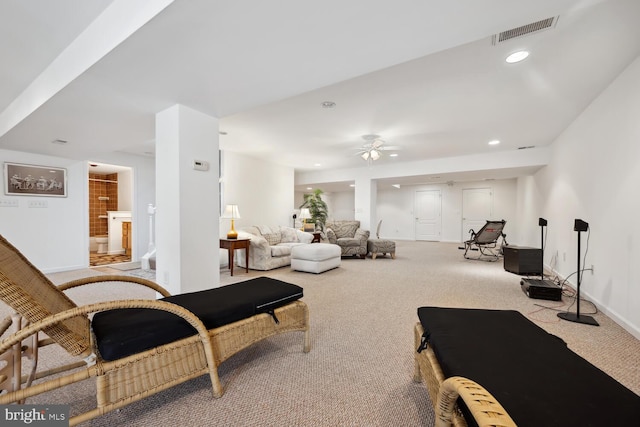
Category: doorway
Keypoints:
(110, 214)
(428, 215)
(477, 208)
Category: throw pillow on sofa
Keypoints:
(273, 238)
(288, 234)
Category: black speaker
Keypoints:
(580, 225)
(542, 222)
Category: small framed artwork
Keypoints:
(32, 180)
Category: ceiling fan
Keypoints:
(372, 149)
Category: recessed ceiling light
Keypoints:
(309, 188)
(494, 142)
(317, 165)
(328, 104)
(393, 155)
(517, 56)
(395, 185)
(352, 185)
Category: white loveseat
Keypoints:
(270, 246)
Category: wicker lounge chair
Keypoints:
(485, 408)
(43, 307)
(485, 241)
(523, 367)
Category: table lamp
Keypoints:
(231, 212)
(305, 214)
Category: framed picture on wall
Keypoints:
(32, 180)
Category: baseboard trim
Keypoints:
(624, 324)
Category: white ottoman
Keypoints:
(315, 257)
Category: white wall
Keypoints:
(56, 238)
(395, 209)
(530, 207)
(594, 175)
(342, 206)
(264, 192)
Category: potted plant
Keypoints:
(317, 207)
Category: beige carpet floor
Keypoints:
(359, 371)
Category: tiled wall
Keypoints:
(101, 186)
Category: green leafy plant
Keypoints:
(317, 208)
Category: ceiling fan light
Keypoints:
(365, 155)
(375, 154)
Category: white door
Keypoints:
(476, 209)
(427, 210)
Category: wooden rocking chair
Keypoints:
(43, 307)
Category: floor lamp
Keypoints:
(579, 226)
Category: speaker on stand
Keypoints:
(579, 226)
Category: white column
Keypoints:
(366, 193)
(187, 200)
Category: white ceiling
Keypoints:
(423, 75)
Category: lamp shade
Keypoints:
(231, 212)
(305, 213)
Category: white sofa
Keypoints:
(270, 246)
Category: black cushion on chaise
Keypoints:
(533, 374)
(123, 332)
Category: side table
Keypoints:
(316, 237)
(231, 245)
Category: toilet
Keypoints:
(102, 242)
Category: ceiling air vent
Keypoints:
(534, 27)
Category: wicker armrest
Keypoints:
(483, 406)
(114, 278)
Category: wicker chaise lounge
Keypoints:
(535, 377)
(444, 392)
(133, 362)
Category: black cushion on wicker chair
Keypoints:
(123, 332)
(532, 373)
